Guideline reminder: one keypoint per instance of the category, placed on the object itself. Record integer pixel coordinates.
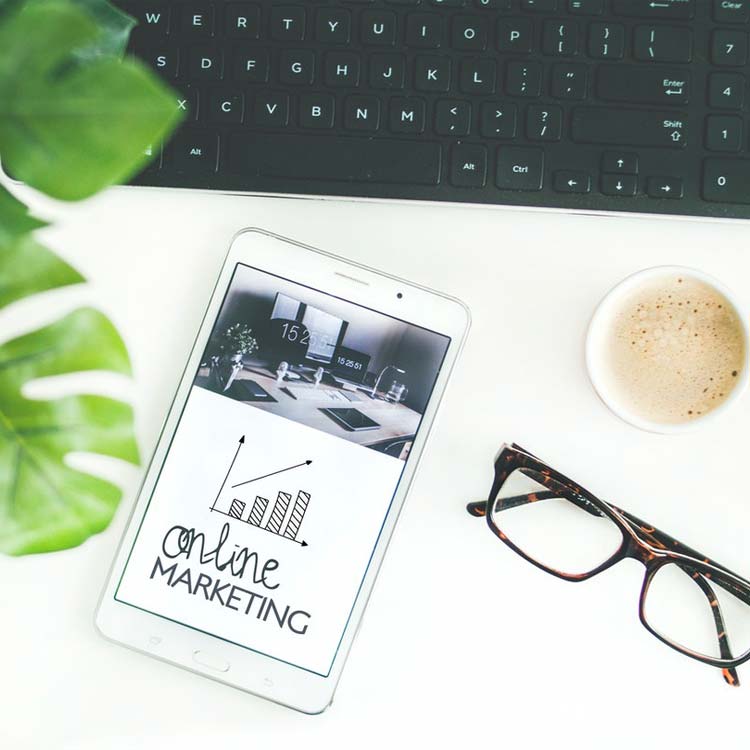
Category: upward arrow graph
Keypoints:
(273, 473)
(240, 443)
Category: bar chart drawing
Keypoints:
(258, 511)
(298, 513)
(236, 509)
(280, 517)
(278, 513)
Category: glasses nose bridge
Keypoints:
(637, 549)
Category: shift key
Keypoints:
(629, 127)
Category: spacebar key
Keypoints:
(339, 159)
(629, 127)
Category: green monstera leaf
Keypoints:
(45, 503)
(74, 120)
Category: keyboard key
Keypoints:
(560, 38)
(514, 35)
(432, 73)
(288, 23)
(342, 69)
(198, 19)
(543, 123)
(620, 162)
(424, 30)
(724, 133)
(586, 7)
(321, 157)
(519, 168)
(682, 10)
(153, 18)
(206, 64)
(407, 115)
(333, 26)
(498, 120)
(469, 33)
(725, 180)
(497, 4)
(606, 41)
(631, 127)
(242, 20)
(387, 71)
(297, 67)
(729, 47)
(567, 181)
(643, 84)
(663, 44)
(540, 6)
(162, 59)
(362, 113)
(468, 165)
(478, 76)
(194, 153)
(736, 11)
(569, 81)
(226, 107)
(452, 117)
(251, 65)
(188, 103)
(524, 79)
(316, 111)
(726, 90)
(379, 27)
(619, 186)
(665, 187)
(272, 110)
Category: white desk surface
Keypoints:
(463, 644)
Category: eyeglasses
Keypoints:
(687, 601)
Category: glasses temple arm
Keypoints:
(730, 674)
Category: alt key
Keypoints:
(468, 165)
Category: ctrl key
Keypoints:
(727, 181)
(519, 168)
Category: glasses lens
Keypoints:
(553, 526)
(691, 609)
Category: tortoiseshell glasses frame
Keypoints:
(640, 541)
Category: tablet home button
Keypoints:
(211, 662)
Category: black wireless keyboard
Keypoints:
(615, 105)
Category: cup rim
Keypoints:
(592, 350)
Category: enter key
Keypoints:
(643, 85)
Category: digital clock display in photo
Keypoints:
(350, 364)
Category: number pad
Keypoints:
(724, 133)
(729, 48)
(726, 90)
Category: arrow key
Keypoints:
(619, 162)
(665, 187)
(566, 181)
(622, 186)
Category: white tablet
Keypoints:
(282, 467)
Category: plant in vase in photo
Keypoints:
(74, 118)
(234, 343)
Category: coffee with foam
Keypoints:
(675, 349)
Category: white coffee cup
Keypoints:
(601, 328)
